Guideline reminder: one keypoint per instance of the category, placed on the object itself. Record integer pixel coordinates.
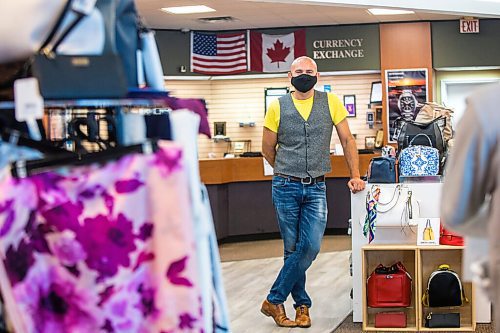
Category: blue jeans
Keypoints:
(302, 214)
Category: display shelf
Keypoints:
(94, 103)
(429, 260)
(420, 262)
(372, 256)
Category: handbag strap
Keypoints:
(26, 67)
(420, 134)
(401, 267)
(428, 224)
(65, 33)
(80, 10)
(397, 190)
(56, 26)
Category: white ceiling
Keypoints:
(258, 14)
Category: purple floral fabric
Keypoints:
(101, 248)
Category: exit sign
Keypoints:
(469, 26)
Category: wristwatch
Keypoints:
(407, 104)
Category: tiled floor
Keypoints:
(274, 248)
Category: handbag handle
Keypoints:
(428, 224)
(56, 26)
(397, 190)
(398, 187)
(420, 134)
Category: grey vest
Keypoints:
(304, 146)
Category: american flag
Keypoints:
(218, 53)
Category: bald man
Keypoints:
(296, 142)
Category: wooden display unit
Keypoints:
(388, 255)
(420, 262)
(430, 257)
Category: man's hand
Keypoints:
(356, 185)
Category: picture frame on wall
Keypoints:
(406, 90)
(370, 142)
(271, 94)
(350, 105)
(219, 128)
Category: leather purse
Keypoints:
(390, 320)
(448, 238)
(389, 287)
(407, 130)
(72, 77)
(69, 77)
(383, 170)
(443, 320)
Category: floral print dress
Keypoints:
(101, 248)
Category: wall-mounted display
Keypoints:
(369, 142)
(219, 128)
(271, 94)
(376, 92)
(350, 105)
(406, 88)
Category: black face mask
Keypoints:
(304, 82)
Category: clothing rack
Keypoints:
(61, 113)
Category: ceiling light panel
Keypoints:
(188, 9)
(384, 11)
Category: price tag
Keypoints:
(29, 104)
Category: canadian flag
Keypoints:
(275, 53)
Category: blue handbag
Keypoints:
(419, 160)
(383, 170)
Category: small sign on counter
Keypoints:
(428, 231)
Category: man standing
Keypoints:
(296, 142)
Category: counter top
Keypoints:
(249, 169)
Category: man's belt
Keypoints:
(305, 181)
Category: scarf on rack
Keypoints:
(371, 214)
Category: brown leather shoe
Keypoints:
(302, 316)
(278, 314)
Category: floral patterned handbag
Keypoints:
(419, 160)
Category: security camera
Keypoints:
(185, 30)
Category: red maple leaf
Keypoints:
(278, 53)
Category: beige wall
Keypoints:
(242, 100)
(469, 75)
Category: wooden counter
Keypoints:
(248, 169)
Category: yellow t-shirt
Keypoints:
(304, 106)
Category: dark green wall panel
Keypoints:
(450, 48)
(338, 35)
(174, 47)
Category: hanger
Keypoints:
(92, 124)
(20, 139)
(22, 169)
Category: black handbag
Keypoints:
(407, 130)
(444, 288)
(77, 77)
(383, 170)
(443, 320)
(69, 77)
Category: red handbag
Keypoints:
(390, 319)
(449, 238)
(389, 287)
